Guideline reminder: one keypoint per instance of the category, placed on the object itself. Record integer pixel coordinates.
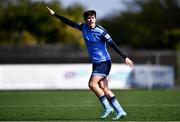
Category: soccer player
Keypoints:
(96, 39)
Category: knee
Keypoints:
(92, 85)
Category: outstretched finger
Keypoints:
(48, 8)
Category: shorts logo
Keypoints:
(95, 71)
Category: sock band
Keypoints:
(112, 99)
(102, 98)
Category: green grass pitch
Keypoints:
(82, 105)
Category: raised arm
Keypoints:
(65, 20)
(106, 37)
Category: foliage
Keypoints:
(26, 22)
(147, 24)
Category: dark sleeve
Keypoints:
(106, 37)
(69, 22)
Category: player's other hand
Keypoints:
(129, 62)
(50, 11)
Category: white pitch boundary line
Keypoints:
(91, 105)
(153, 105)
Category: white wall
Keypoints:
(76, 76)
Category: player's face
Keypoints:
(91, 21)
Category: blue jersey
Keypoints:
(96, 43)
(95, 39)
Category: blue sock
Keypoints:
(114, 102)
(104, 102)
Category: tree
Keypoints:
(148, 24)
(26, 22)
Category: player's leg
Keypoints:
(112, 99)
(93, 85)
(104, 86)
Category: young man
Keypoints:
(96, 39)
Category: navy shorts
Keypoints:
(101, 68)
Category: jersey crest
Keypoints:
(94, 35)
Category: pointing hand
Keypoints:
(50, 10)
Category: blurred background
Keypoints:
(34, 45)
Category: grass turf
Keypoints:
(82, 105)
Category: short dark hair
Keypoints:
(89, 12)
